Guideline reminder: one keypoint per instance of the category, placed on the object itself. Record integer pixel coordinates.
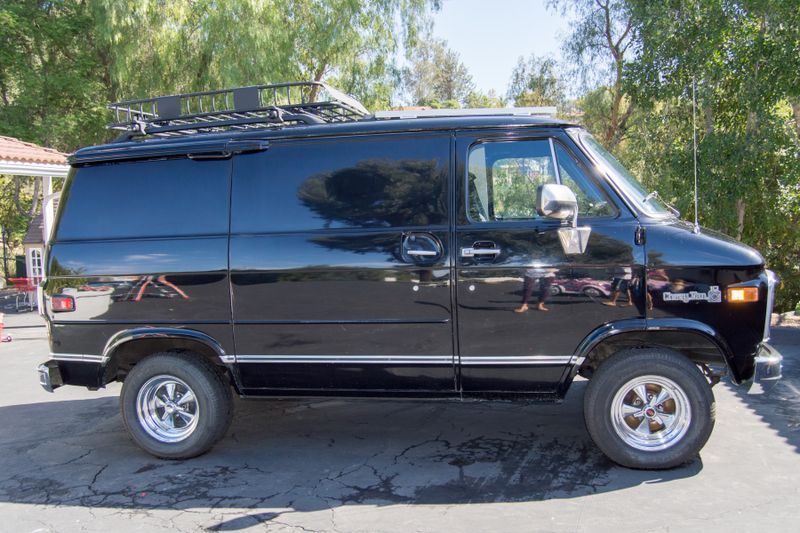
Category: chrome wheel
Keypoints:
(167, 409)
(651, 413)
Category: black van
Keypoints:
(261, 241)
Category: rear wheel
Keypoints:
(649, 409)
(176, 406)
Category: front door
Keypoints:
(526, 299)
(340, 266)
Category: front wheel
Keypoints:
(649, 409)
(175, 406)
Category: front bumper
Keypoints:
(50, 376)
(768, 369)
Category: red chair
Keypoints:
(26, 289)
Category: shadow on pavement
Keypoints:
(780, 407)
(296, 456)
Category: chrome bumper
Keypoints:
(50, 376)
(768, 369)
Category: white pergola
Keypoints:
(19, 158)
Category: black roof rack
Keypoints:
(241, 108)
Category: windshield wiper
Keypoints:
(655, 194)
(650, 196)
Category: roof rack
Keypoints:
(241, 108)
(470, 112)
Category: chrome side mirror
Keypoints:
(557, 201)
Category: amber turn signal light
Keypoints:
(743, 294)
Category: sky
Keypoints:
(490, 36)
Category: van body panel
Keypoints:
(502, 347)
(329, 291)
(684, 268)
(137, 244)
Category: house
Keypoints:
(19, 158)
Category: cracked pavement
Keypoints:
(66, 464)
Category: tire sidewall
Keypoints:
(213, 404)
(622, 368)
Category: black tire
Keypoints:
(626, 367)
(592, 292)
(214, 403)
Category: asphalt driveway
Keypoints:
(66, 464)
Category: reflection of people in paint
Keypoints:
(541, 277)
(621, 282)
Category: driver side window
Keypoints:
(503, 178)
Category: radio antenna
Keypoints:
(694, 150)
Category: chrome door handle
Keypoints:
(422, 253)
(472, 252)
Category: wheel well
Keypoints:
(125, 357)
(697, 347)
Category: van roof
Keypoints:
(231, 141)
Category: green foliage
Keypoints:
(477, 99)
(740, 54)
(62, 62)
(437, 77)
(536, 82)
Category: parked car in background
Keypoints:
(587, 286)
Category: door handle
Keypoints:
(420, 247)
(472, 252)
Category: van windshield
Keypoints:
(649, 202)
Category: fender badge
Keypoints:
(713, 296)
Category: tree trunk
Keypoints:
(752, 122)
(740, 210)
(796, 109)
(35, 200)
(318, 74)
(708, 115)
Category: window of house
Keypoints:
(36, 264)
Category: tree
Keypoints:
(536, 82)
(62, 62)
(479, 99)
(597, 46)
(739, 53)
(437, 75)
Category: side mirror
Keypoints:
(557, 201)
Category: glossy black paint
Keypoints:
(531, 262)
(137, 245)
(324, 269)
(344, 241)
(680, 261)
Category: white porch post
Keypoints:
(47, 207)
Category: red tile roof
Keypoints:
(12, 149)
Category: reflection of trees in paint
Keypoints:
(379, 193)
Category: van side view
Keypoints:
(254, 241)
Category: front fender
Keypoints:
(612, 330)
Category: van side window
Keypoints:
(140, 199)
(592, 202)
(503, 178)
(381, 182)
